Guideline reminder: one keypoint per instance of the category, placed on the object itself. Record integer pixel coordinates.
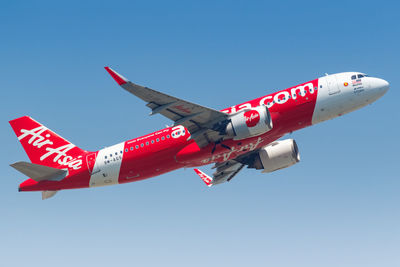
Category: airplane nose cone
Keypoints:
(385, 85)
(381, 86)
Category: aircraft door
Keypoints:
(333, 87)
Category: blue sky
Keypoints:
(338, 207)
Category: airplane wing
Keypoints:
(225, 171)
(203, 123)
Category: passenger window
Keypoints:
(152, 141)
(158, 140)
(131, 148)
(168, 136)
(353, 77)
(147, 143)
(163, 138)
(137, 146)
(126, 150)
(141, 145)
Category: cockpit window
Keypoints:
(360, 76)
(354, 77)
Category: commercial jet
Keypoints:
(245, 135)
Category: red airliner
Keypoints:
(242, 135)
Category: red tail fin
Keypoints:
(45, 147)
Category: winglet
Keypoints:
(116, 76)
(206, 179)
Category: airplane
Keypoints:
(244, 135)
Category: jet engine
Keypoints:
(249, 122)
(275, 156)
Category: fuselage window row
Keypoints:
(142, 145)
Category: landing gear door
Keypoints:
(333, 87)
(91, 160)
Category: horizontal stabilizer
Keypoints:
(48, 194)
(39, 172)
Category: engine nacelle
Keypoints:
(249, 123)
(278, 155)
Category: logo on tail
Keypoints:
(44, 146)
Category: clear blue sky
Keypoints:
(338, 207)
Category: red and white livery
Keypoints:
(242, 135)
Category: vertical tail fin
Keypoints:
(45, 147)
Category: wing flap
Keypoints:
(226, 171)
